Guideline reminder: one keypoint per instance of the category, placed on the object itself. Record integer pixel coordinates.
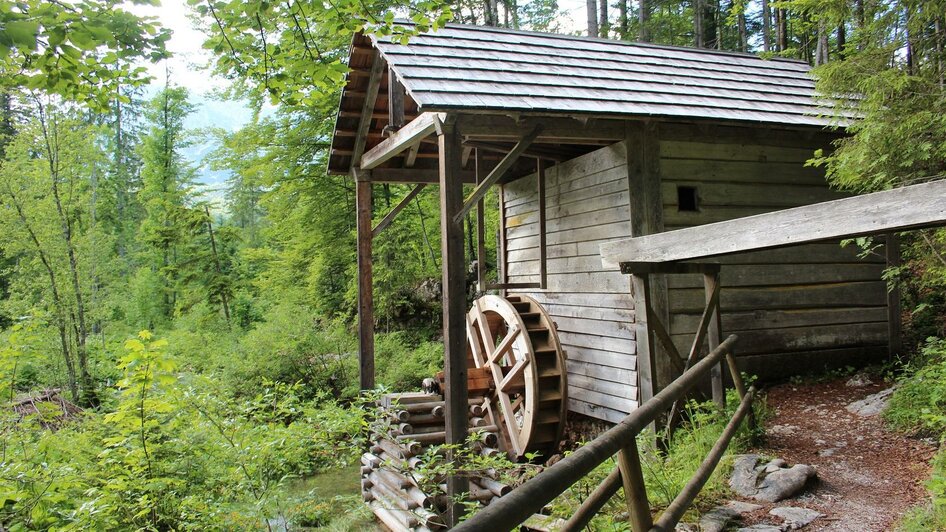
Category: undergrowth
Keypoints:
(918, 406)
(666, 471)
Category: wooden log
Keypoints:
(400, 415)
(366, 484)
(422, 408)
(365, 470)
(383, 491)
(498, 488)
(478, 410)
(490, 439)
(478, 493)
(396, 520)
(438, 411)
(393, 449)
(428, 429)
(367, 496)
(424, 419)
(396, 462)
(409, 398)
(418, 496)
(405, 428)
(429, 438)
(430, 519)
(478, 422)
(372, 460)
(392, 478)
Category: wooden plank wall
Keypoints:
(587, 204)
(799, 309)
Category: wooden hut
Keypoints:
(591, 140)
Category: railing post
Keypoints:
(638, 508)
(713, 335)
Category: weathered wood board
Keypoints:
(586, 204)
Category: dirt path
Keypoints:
(868, 476)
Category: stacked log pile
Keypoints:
(393, 482)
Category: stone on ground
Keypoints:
(760, 528)
(795, 517)
(717, 519)
(770, 482)
(872, 404)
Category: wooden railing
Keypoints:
(621, 440)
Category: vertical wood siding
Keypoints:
(587, 204)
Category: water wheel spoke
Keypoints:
(476, 344)
(504, 345)
(513, 374)
(509, 419)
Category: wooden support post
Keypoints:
(638, 508)
(646, 205)
(894, 317)
(713, 334)
(480, 227)
(501, 246)
(365, 296)
(395, 103)
(646, 374)
(543, 251)
(454, 307)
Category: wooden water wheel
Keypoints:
(515, 343)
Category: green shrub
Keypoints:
(919, 403)
(401, 366)
(932, 515)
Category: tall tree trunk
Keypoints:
(698, 23)
(514, 12)
(591, 10)
(51, 137)
(782, 30)
(643, 18)
(743, 33)
(766, 26)
(492, 13)
(821, 48)
(938, 27)
(720, 24)
(224, 300)
(622, 19)
(604, 25)
(58, 309)
(842, 39)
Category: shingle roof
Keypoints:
(489, 69)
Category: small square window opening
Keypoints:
(688, 199)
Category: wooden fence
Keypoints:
(621, 440)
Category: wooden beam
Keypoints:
(411, 156)
(538, 153)
(896, 210)
(512, 286)
(714, 333)
(646, 217)
(454, 308)
(670, 267)
(407, 136)
(367, 110)
(389, 217)
(894, 317)
(632, 476)
(480, 226)
(416, 176)
(497, 173)
(543, 237)
(565, 130)
(365, 296)
(395, 103)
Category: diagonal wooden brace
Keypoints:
(480, 191)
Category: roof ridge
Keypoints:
(569, 37)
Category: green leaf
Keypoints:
(21, 33)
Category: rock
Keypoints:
(716, 519)
(686, 527)
(827, 452)
(775, 465)
(872, 404)
(783, 430)
(784, 483)
(795, 517)
(744, 475)
(760, 528)
(859, 381)
(743, 507)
